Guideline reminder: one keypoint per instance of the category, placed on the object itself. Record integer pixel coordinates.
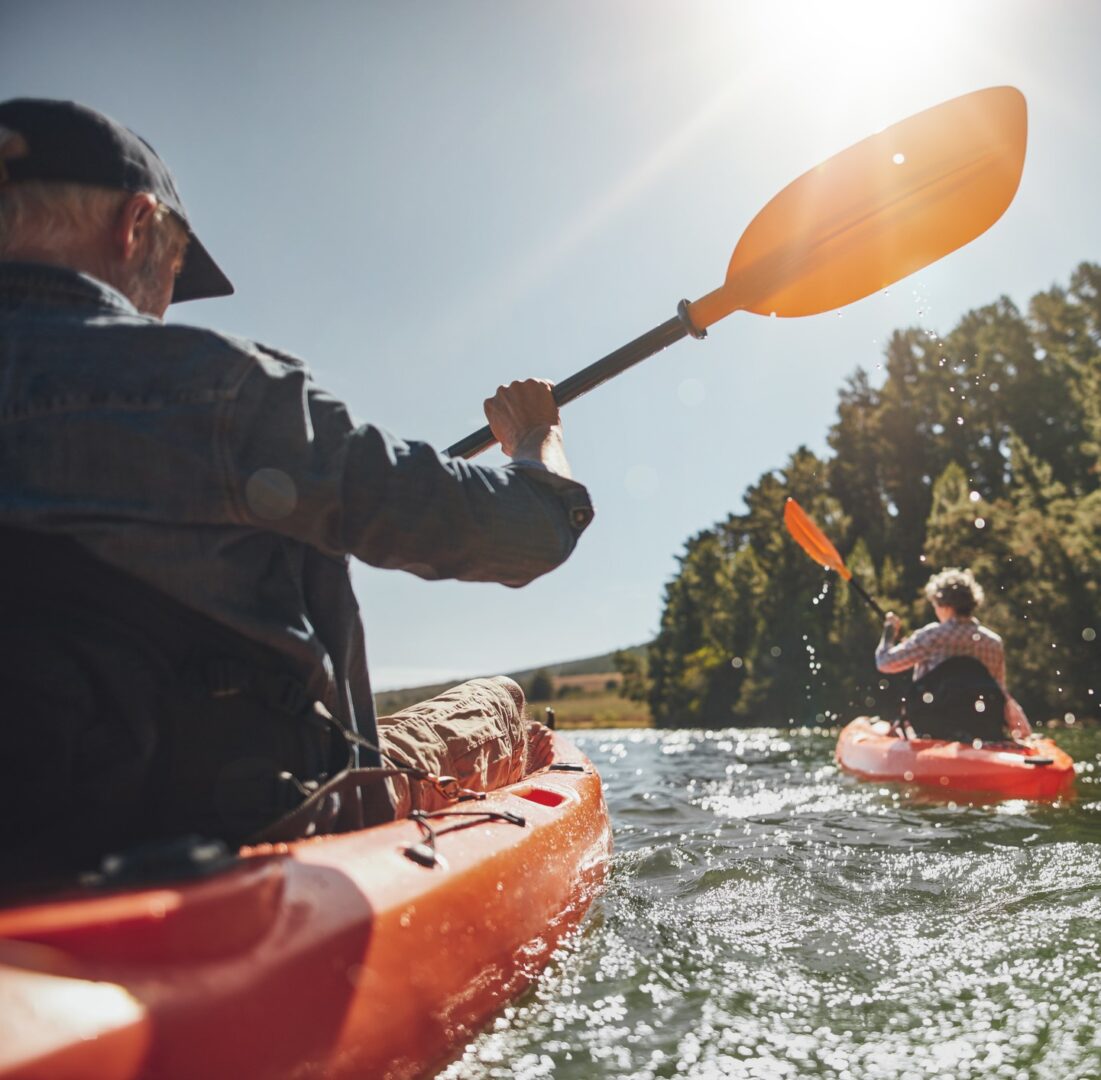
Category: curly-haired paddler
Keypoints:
(959, 666)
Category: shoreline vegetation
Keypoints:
(979, 447)
(584, 693)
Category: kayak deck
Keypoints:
(339, 956)
(1039, 770)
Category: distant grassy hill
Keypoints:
(585, 693)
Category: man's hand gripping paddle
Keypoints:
(868, 216)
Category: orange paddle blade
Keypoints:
(812, 540)
(879, 210)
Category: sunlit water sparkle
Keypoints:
(769, 917)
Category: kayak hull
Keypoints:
(867, 748)
(338, 956)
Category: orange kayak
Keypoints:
(1039, 770)
(359, 955)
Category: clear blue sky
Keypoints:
(427, 199)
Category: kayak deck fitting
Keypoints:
(868, 748)
(369, 954)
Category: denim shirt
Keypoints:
(217, 471)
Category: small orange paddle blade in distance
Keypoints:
(879, 210)
(812, 540)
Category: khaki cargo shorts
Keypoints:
(475, 732)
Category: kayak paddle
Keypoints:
(817, 545)
(868, 216)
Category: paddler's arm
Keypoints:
(891, 623)
(1015, 719)
(1013, 716)
(891, 658)
(296, 463)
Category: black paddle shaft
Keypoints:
(591, 377)
(860, 589)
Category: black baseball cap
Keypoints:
(73, 144)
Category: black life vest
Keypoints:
(958, 700)
(128, 718)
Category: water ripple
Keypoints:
(768, 917)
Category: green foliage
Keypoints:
(540, 687)
(632, 665)
(980, 448)
(388, 702)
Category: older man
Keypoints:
(958, 664)
(182, 650)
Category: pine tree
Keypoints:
(981, 448)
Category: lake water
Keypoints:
(767, 916)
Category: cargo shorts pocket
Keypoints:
(474, 732)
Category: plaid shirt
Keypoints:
(934, 643)
(958, 636)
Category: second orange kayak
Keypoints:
(1039, 770)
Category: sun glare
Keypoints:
(838, 54)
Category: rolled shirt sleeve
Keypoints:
(906, 654)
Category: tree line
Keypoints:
(981, 448)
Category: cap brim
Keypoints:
(200, 277)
